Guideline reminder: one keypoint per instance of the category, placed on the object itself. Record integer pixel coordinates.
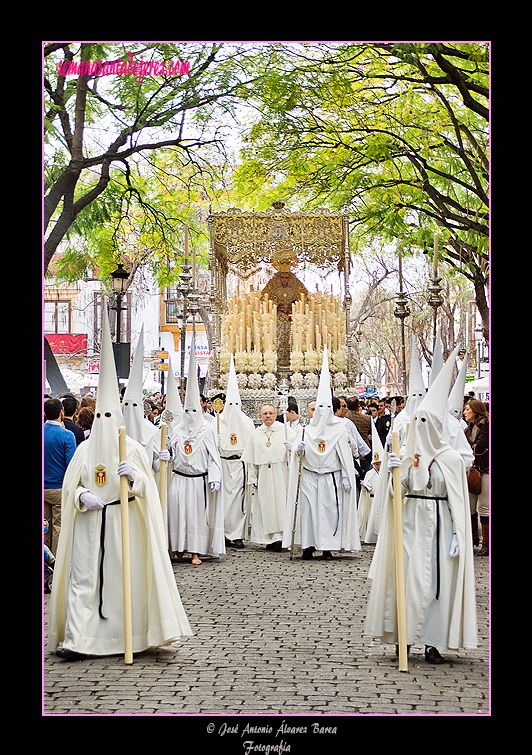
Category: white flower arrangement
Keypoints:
(225, 361)
(340, 358)
(254, 381)
(254, 361)
(270, 361)
(241, 360)
(311, 380)
(340, 380)
(311, 360)
(296, 360)
(242, 379)
(297, 380)
(222, 381)
(269, 381)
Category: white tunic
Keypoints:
(365, 502)
(195, 512)
(236, 429)
(326, 516)
(439, 589)
(86, 612)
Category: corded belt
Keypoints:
(435, 498)
(102, 550)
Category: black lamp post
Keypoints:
(120, 278)
(121, 350)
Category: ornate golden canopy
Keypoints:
(243, 240)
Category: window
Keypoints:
(57, 317)
(125, 322)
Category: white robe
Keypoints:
(327, 517)
(449, 620)
(365, 502)
(236, 429)
(195, 512)
(158, 616)
(267, 467)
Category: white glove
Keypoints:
(301, 446)
(91, 501)
(388, 443)
(454, 550)
(215, 486)
(125, 468)
(288, 446)
(346, 484)
(366, 485)
(393, 461)
(164, 455)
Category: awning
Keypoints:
(482, 385)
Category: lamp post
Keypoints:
(184, 289)
(120, 278)
(402, 311)
(435, 296)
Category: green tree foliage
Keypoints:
(396, 133)
(101, 117)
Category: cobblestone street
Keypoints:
(274, 637)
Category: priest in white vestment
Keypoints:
(195, 497)
(86, 611)
(235, 429)
(438, 557)
(326, 517)
(266, 455)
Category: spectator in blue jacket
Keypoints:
(59, 446)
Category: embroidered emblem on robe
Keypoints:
(321, 446)
(188, 448)
(416, 461)
(233, 439)
(376, 457)
(100, 474)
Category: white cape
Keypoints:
(327, 517)
(450, 621)
(158, 615)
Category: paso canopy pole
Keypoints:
(162, 469)
(399, 560)
(126, 557)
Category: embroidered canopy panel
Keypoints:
(242, 240)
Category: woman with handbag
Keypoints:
(477, 432)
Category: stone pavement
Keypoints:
(274, 638)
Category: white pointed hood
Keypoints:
(324, 429)
(455, 404)
(416, 386)
(133, 400)
(323, 414)
(235, 426)
(425, 437)
(193, 413)
(437, 358)
(173, 401)
(103, 439)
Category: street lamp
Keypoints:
(402, 311)
(120, 278)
